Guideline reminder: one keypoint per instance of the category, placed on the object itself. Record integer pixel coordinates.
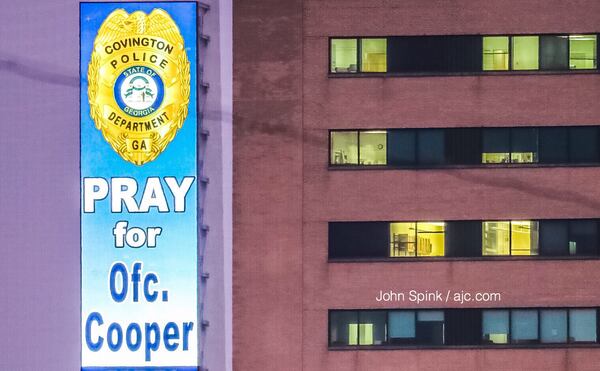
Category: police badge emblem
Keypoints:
(139, 83)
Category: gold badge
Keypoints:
(139, 83)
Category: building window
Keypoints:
(344, 55)
(523, 145)
(402, 327)
(496, 146)
(583, 144)
(430, 327)
(373, 55)
(463, 54)
(553, 326)
(524, 326)
(495, 53)
(525, 53)
(501, 238)
(343, 328)
(470, 238)
(513, 327)
(429, 148)
(496, 238)
(583, 326)
(409, 239)
(495, 326)
(372, 328)
(344, 147)
(582, 52)
(554, 52)
(373, 147)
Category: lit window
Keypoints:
(426, 240)
(372, 327)
(524, 326)
(430, 239)
(402, 239)
(495, 53)
(344, 148)
(496, 238)
(495, 326)
(374, 55)
(582, 326)
(582, 52)
(344, 54)
(373, 148)
(524, 237)
(525, 52)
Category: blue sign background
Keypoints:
(174, 259)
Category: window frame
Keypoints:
(509, 71)
(448, 164)
(448, 247)
(536, 344)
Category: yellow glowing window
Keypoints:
(402, 239)
(373, 55)
(524, 237)
(373, 148)
(582, 52)
(495, 158)
(525, 52)
(523, 157)
(344, 53)
(364, 336)
(495, 53)
(409, 239)
(517, 237)
(430, 238)
(344, 148)
(496, 238)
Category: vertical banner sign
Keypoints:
(139, 186)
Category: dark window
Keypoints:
(554, 237)
(583, 144)
(496, 146)
(430, 327)
(554, 147)
(463, 146)
(401, 147)
(554, 52)
(524, 145)
(343, 328)
(463, 238)
(463, 326)
(430, 147)
(358, 239)
(583, 237)
(434, 54)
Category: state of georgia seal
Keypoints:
(139, 83)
